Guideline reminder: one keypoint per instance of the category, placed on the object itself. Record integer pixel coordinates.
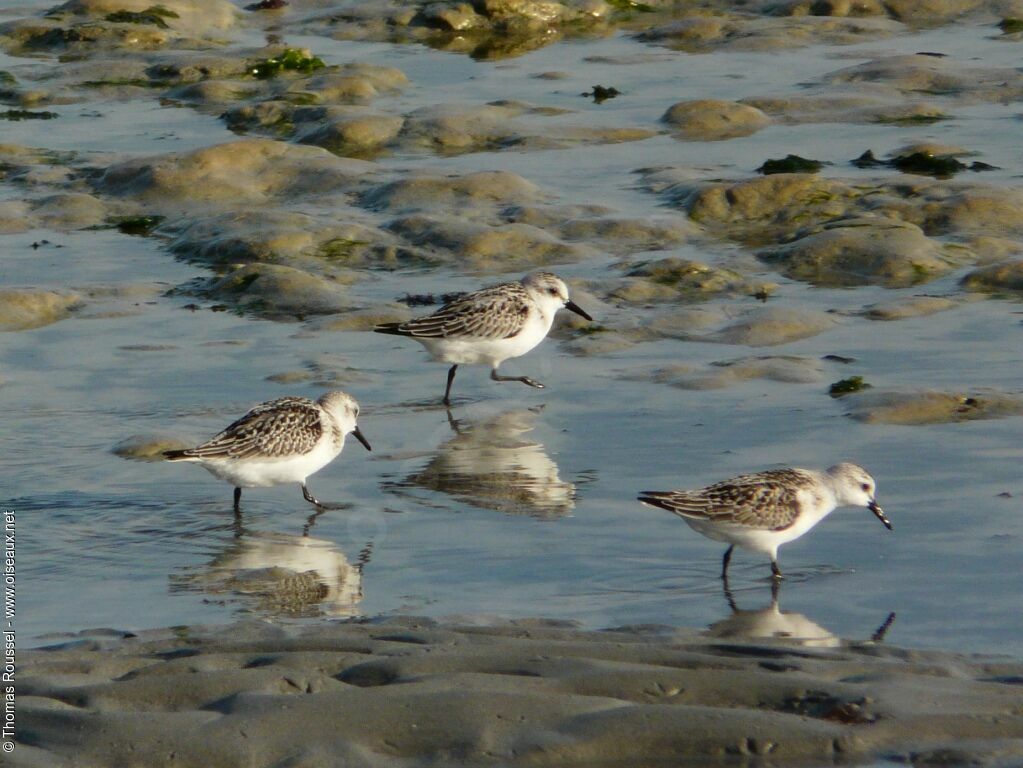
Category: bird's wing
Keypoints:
(765, 500)
(280, 427)
(492, 313)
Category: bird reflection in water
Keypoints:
(772, 623)
(491, 465)
(279, 574)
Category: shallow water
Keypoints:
(524, 506)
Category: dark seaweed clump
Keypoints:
(1011, 26)
(267, 5)
(790, 164)
(601, 93)
(24, 114)
(846, 386)
(922, 164)
(154, 15)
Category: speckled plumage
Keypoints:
(497, 312)
(286, 426)
(490, 325)
(279, 441)
(766, 500)
(763, 510)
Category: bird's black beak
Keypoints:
(361, 438)
(577, 309)
(879, 514)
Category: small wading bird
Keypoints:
(764, 510)
(490, 325)
(279, 441)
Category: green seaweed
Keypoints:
(137, 225)
(24, 114)
(631, 5)
(1010, 26)
(790, 164)
(6, 78)
(154, 15)
(291, 59)
(845, 386)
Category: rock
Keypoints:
(769, 326)
(1007, 276)
(15, 216)
(714, 120)
(25, 308)
(147, 447)
(274, 290)
(767, 207)
(831, 107)
(861, 251)
(987, 211)
(728, 373)
(71, 210)
(913, 306)
(263, 236)
(919, 73)
(351, 134)
(350, 83)
(486, 248)
(457, 194)
(621, 234)
(191, 16)
(675, 279)
(930, 407)
(245, 171)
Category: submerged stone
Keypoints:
(1007, 276)
(274, 290)
(714, 120)
(931, 407)
(250, 170)
(729, 373)
(913, 306)
(769, 326)
(861, 251)
(22, 309)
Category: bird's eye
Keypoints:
(552, 291)
(866, 487)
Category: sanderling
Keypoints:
(490, 325)
(279, 441)
(764, 510)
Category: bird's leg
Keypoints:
(724, 564)
(451, 379)
(728, 594)
(524, 379)
(880, 632)
(776, 571)
(321, 504)
(775, 586)
(237, 499)
(309, 497)
(312, 519)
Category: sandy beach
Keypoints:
(415, 692)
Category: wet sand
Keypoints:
(411, 692)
